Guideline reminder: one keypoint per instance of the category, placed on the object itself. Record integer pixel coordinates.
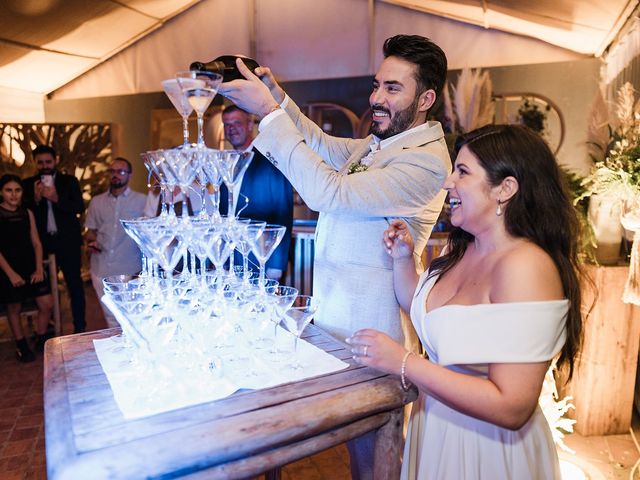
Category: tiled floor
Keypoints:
(22, 447)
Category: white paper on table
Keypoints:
(140, 395)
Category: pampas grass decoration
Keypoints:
(625, 110)
(449, 115)
(472, 99)
(598, 129)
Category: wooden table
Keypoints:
(243, 435)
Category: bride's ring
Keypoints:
(364, 354)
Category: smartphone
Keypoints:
(47, 180)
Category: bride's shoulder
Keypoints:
(526, 273)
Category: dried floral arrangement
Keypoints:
(617, 152)
(470, 104)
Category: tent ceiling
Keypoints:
(45, 44)
(582, 26)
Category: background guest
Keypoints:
(22, 273)
(112, 251)
(269, 193)
(56, 201)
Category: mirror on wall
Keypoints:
(535, 111)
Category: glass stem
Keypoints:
(215, 200)
(172, 210)
(163, 201)
(262, 274)
(203, 196)
(185, 130)
(144, 272)
(201, 129)
(231, 210)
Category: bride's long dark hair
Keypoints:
(540, 211)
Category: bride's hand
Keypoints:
(397, 240)
(376, 349)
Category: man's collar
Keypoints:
(423, 127)
(125, 193)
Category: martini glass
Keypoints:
(220, 247)
(199, 96)
(296, 320)
(233, 165)
(175, 93)
(282, 299)
(243, 242)
(157, 163)
(184, 163)
(210, 173)
(264, 245)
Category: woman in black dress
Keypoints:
(21, 269)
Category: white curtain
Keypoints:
(622, 61)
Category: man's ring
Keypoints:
(366, 347)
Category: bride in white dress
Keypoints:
(491, 313)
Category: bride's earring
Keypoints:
(499, 209)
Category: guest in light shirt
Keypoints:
(112, 251)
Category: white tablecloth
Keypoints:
(141, 389)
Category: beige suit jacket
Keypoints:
(353, 275)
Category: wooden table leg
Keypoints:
(273, 474)
(389, 448)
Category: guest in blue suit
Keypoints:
(270, 194)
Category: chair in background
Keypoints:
(435, 244)
(300, 271)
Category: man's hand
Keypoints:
(269, 80)
(251, 94)
(50, 193)
(37, 191)
(93, 247)
(91, 237)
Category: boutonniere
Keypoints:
(357, 167)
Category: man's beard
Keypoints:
(399, 123)
(47, 171)
(116, 183)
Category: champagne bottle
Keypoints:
(225, 65)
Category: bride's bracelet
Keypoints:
(403, 371)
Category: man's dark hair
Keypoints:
(122, 159)
(44, 149)
(426, 55)
(233, 108)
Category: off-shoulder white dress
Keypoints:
(443, 443)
